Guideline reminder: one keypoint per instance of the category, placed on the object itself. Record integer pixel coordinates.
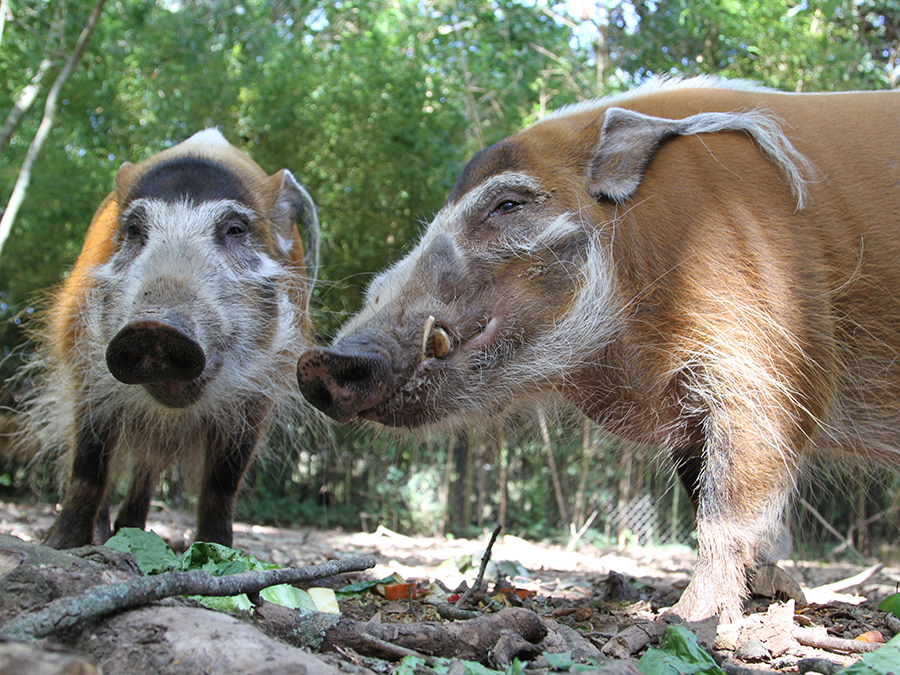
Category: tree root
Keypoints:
(491, 638)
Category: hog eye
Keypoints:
(506, 206)
(235, 227)
(134, 229)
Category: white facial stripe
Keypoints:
(558, 229)
(185, 219)
(507, 181)
(448, 219)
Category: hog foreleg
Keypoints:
(86, 490)
(742, 491)
(133, 511)
(228, 455)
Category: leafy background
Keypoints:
(376, 106)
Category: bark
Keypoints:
(73, 611)
(473, 640)
(21, 186)
(23, 104)
(551, 463)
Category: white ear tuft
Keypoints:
(210, 136)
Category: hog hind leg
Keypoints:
(136, 506)
(228, 454)
(85, 498)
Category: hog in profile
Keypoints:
(707, 267)
(176, 336)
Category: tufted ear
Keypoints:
(293, 205)
(124, 178)
(628, 140)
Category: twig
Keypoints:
(70, 612)
(578, 535)
(845, 542)
(485, 559)
(850, 582)
(455, 611)
(813, 638)
(893, 623)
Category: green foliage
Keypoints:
(678, 654)
(154, 556)
(891, 604)
(415, 665)
(376, 107)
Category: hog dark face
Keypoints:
(475, 317)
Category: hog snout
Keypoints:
(343, 384)
(150, 352)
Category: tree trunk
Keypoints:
(18, 193)
(445, 486)
(625, 471)
(503, 452)
(588, 452)
(554, 474)
(481, 450)
(23, 104)
(459, 496)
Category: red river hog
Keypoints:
(708, 267)
(176, 336)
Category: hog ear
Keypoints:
(628, 141)
(124, 178)
(293, 205)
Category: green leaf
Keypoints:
(363, 586)
(415, 665)
(216, 559)
(154, 556)
(290, 597)
(151, 552)
(562, 661)
(891, 604)
(678, 654)
(883, 661)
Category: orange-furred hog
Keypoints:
(176, 336)
(709, 267)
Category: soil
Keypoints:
(610, 597)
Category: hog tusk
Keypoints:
(441, 345)
(426, 334)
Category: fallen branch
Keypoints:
(850, 582)
(70, 612)
(635, 638)
(814, 638)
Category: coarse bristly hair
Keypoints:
(148, 432)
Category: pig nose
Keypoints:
(148, 351)
(342, 385)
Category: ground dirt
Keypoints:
(610, 598)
